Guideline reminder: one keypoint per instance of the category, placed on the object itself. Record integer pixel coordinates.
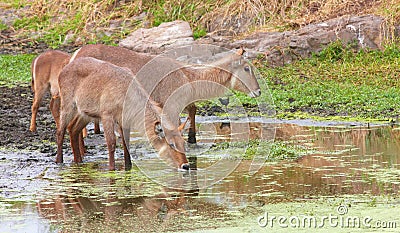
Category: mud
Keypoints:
(15, 112)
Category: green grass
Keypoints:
(54, 34)
(338, 82)
(15, 69)
(3, 26)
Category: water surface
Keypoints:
(354, 166)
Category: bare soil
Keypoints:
(15, 112)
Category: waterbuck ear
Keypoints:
(182, 126)
(241, 51)
(159, 130)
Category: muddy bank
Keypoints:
(16, 138)
(15, 112)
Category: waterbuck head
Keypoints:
(234, 72)
(168, 141)
(243, 75)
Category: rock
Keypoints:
(158, 39)
(280, 48)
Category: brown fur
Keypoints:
(219, 72)
(45, 70)
(93, 89)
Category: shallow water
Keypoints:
(345, 165)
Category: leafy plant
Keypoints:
(339, 82)
(3, 26)
(199, 32)
(15, 69)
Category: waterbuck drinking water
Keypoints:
(94, 89)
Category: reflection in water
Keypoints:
(141, 214)
(347, 161)
(222, 131)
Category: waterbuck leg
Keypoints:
(55, 109)
(192, 129)
(96, 126)
(75, 131)
(125, 144)
(82, 148)
(65, 119)
(60, 139)
(74, 138)
(108, 126)
(38, 96)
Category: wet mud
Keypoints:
(15, 112)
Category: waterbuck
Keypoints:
(45, 70)
(94, 89)
(231, 71)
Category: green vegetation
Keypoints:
(166, 11)
(338, 82)
(275, 151)
(3, 26)
(15, 69)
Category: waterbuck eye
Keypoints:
(247, 68)
(159, 130)
(172, 145)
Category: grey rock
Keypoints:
(278, 48)
(283, 47)
(158, 39)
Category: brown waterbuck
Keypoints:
(231, 71)
(45, 70)
(94, 89)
